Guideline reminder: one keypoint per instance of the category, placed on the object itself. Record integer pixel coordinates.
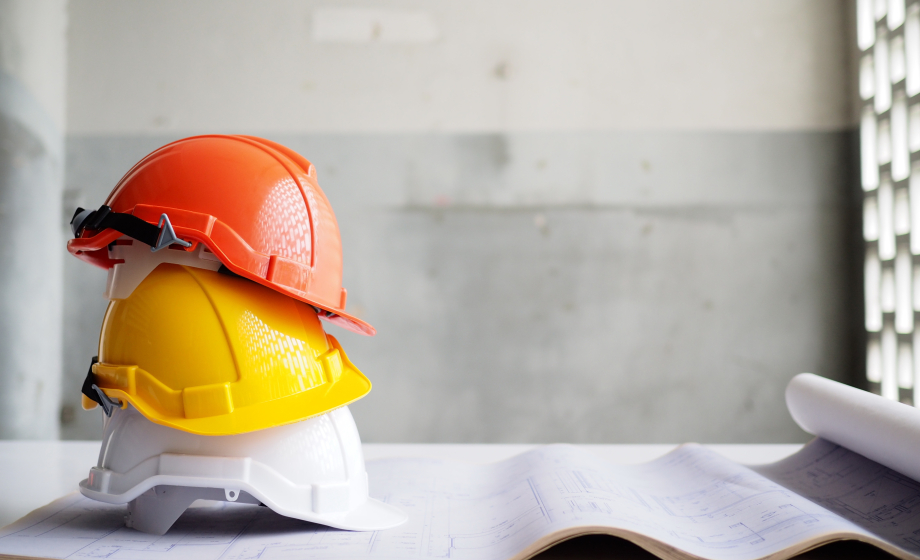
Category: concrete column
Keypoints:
(33, 50)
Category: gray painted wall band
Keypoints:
(584, 287)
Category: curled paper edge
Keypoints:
(886, 431)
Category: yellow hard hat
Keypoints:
(214, 354)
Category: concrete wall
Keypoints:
(592, 221)
(32, 102)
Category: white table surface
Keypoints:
(36, 472)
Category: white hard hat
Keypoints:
(311, 470)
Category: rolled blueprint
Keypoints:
(883, 430)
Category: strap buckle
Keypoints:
(167, 236)
(108, 403)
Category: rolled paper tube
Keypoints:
(880, 429)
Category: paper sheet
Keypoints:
(883, 430)
(878, 499)
(691, 499)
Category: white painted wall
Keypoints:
(33, 41)
(171, 66)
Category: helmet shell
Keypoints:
(311, 470)
(211, 354)
(254, 203)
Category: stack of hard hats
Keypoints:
(214, 373)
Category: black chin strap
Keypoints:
(95, 394)
(89, 381)
(104, 218)
(158, 237)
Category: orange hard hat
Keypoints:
(254, 203)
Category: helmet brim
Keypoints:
(93, 250)
(352, 386)
(373, 515)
